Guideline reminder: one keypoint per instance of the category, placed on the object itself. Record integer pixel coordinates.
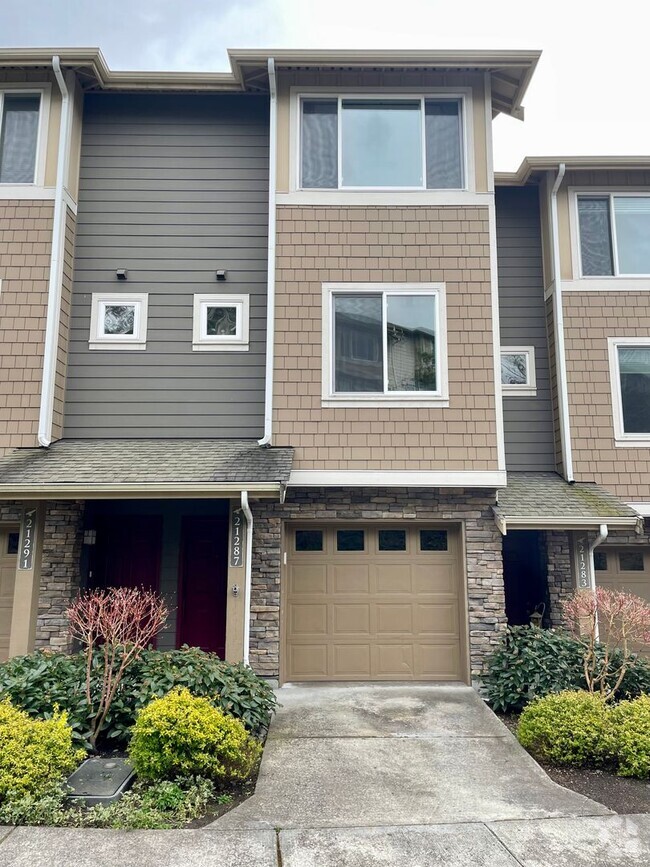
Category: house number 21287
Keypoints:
(236, 556)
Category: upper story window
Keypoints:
(118, 321)
(518, 371)
(385, 343)
(221, 322)
(630, 374)
(614, 235)
(19, 131)
(365, 142)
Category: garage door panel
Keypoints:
(350, 660)
(351, 619)
(308, 619)
(349, 578)
(307, 578)
(7, 583)
(372, 614)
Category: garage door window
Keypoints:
(433, 540)
(309, 540)
(392, 540)
(630, 561)
(350, 540)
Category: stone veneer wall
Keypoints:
(559, 571)
(483, 562)
(11, 512)
(62, 540)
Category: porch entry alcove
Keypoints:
(178, 547)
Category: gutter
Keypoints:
(56, 267)
(270, 280)
(558, 322)
(249, 572)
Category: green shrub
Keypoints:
(630, 737)
(531, 662)
(35, 755)
(181, 735)
(567, 728)
(40, 682)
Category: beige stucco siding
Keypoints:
(417, 81)
(321, 245)
(25, 243)
(590, 318)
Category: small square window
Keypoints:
(392, 540)
(350, 540)
(630, 561)
(12, 543)
(118, 321)
(309, 540)
(518, 370)
(600, 561)
(221, 322)
(433, 540)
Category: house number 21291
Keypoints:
(236, 556)
(28, 535)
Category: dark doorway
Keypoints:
(127, 551)
(524, 576)
(203, 583)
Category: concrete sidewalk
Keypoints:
(386, 775)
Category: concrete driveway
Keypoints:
(346, 756)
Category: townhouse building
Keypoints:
(278, 343)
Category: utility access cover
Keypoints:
(100, 780)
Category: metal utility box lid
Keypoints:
(100, 780)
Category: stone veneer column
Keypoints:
(60, 576)
(483, 556)
(559, 570)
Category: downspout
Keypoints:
(270, 280)
(56, 268)
(600, 538)
(249, 572)
(558, 321)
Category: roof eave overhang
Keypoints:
(142, 491)
(533, 522)
(533, 166)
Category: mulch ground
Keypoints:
(620, 794)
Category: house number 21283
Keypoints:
(236, 536)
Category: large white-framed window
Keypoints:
(612, 231)
(24, 114)
(518, 371)
(629, 366)
(366, 141)
(384, 343)
(118, 320)
(221, 322)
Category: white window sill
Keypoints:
(633, 443)
(384, 197)
(521, 391)
(220, 347)
(375, 401)
(607, 284)
(121, 345)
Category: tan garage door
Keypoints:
(373, 602)
(624, 569)
(8, 555)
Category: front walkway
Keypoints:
(387, 775)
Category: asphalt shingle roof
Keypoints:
(548, 495)
(115, 462)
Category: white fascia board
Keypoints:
(397, 478)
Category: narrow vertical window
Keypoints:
(595, 237)
(319, 133)
(634, 368)
(444, 144)
(19, 138)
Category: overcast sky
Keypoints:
(588, 96)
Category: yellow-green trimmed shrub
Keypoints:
(568, 728)
(183, 735)
(630, 736)
(35, 755)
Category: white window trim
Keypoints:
(238, 342)
(621, 439)
(138, 340)
(15, 191)
(529, 388)
(601, 283)
(386, 195)
(330, 398)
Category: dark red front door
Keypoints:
(127, 551)
(203, 584)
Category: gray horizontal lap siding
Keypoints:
(528, 421)
(172, 188)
